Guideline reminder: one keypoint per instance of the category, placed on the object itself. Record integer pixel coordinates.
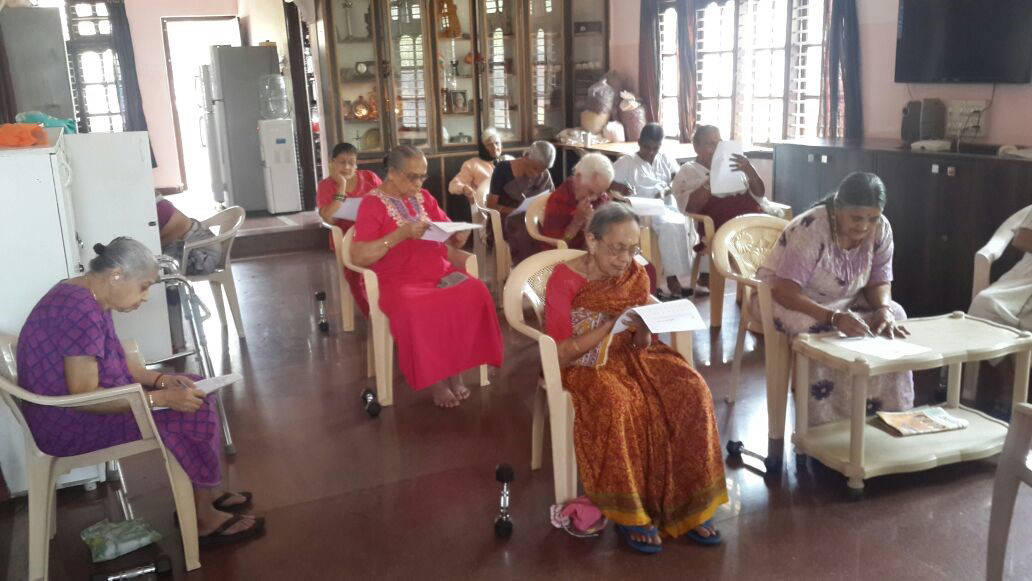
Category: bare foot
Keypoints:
(458, 388)
(650, 539)
(208, 524)
(443, 396)
(705, 531)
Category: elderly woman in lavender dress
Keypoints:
(68, 346)
(831, 269)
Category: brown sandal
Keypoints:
(234, 508)
(217, 539)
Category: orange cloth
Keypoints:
(22, 135)
(645, 433)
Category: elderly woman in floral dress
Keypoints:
(831, 269)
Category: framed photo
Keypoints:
(459, 101)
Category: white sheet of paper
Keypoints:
(348, 210)
(647, 206)
(213, 384)
(441, 231)
(526, 203)
(723, 180)
(880, 347)
(671, 317)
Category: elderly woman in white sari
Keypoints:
(648, 174)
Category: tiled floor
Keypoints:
(411, 494)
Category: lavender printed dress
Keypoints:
(833, 277)
(68, 322)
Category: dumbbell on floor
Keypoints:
(503, 522)
(369, 403)
(320, 301)
(160, 566)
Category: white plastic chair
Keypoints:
(492, 218)
(227, 222)
(382, 342)
(993, 250)
(347, 302)
(984, 259)
(739, 249)
(528, 282)
(1011, 470)
(535, 216)
(716, 281)
(44, 470)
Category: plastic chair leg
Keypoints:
(1005, 491)
(183, 496)
(370, 352)
(484, 376)
(216, 295)
(347, 307)
(231, 295)
(736, 363)
(383, 347)
(537, 431)
(716, 298)
(41, 484)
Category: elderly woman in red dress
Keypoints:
(443, 320)
(346, 181)
(571, 205)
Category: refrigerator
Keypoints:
(233, 84)
(211, 137)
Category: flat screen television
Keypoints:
(964, 41)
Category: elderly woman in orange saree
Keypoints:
(645, 433)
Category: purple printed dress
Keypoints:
(68, 322)
(828, 275)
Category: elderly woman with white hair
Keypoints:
(68, 346)
(513, 182)
(477, 170)
(573, 203)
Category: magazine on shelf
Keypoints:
(922, 421)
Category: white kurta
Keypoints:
(652, 180)
(1009, 299)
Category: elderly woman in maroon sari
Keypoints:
(443, 320)
(68, 346)
(571, 205)
(645, 434)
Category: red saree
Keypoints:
(645, 433)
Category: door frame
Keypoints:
(171, 78)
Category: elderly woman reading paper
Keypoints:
(443, 320)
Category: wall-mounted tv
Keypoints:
(964, 41)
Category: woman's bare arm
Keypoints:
(576, 346)
(176, 227)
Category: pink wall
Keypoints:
(1009, 120)
(148, 44)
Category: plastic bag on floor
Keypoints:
(108, 540)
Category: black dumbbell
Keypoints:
(736, 448)
(503, 522)
(161, 566)
(369, 403)
(320, 301)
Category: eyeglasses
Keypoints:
(412, 177)
(618, 249)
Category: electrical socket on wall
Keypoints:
(967, 115)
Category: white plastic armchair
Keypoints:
(991, 252)
(382, 341)
(492, 219)
(43, 469)
(535, 216)
(739, 249)
(1011, 470)
(227, 222)
(526, 285)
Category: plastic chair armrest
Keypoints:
(707, 226)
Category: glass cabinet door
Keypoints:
(457, 98)
(501, 91)
(588, 57)
(358, 88)
(408, 78)
(545, 57)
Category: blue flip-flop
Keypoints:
(644, 548)
(711, 540)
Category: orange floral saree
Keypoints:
(645, 433)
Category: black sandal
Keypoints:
(216, 539)
(218, 503)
